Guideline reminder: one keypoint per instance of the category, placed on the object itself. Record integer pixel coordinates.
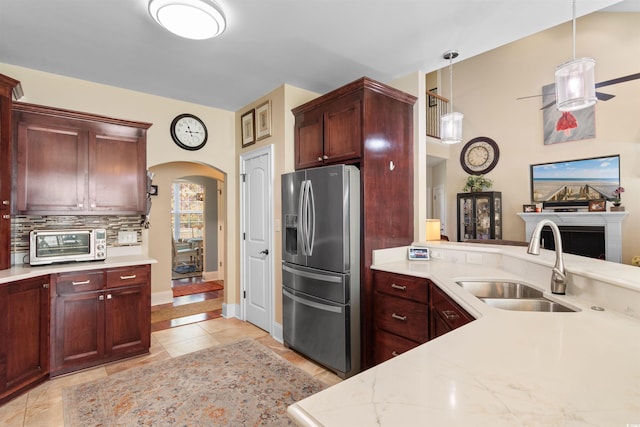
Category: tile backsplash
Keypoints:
(21, 225)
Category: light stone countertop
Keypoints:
(506, 368)
(25, 271)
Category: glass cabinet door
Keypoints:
(466, 218)
(483, 218)
(479, 215)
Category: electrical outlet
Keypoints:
(474, 258)
(127, 237)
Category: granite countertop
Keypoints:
(506, 368)
(25, 271)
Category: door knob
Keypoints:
(266, 252)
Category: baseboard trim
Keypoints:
(164, 297)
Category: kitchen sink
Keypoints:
(522, 304)
(499, 289)
(515, 296)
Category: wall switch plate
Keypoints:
(127, 237)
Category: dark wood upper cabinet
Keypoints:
(370, 125)
(77, 163)
(7, 85)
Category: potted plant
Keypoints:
(617, 193)
(477, 183)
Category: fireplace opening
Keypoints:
(578, 240)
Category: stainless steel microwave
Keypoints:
(53, 246)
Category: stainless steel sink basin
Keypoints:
(499, 289)
(539, 304)
(514, 296)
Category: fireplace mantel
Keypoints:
(611, 221)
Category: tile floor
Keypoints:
(42, 406)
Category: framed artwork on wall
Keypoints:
(248, 128)
(263, 120)
(559, 126)
(432, 99)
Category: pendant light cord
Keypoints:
(451, 82)
(574, 29)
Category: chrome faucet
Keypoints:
(558, 274)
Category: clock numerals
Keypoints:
(480, 155)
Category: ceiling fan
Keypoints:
(601, 96)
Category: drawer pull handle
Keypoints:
(133, 276)
(84, 282)
(109, 296)
(101, 298)
(398, 317)
(395, 353)
(449, 314)
(399, 287)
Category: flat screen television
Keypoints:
(575, 182)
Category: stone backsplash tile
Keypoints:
(21, 225)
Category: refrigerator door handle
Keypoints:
(304, 301)
(312, 275)
(311, 233)
(301, 216)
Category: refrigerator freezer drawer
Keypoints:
(318, 329)
(322, 284)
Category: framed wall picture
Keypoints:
(248, 128)
(597, 205)
(565, 126)
(263, 120)
(432, 99)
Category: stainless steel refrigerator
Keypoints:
(321, 265)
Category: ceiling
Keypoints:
(316, 45)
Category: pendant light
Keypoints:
(191, 19)
(575, 80)
(451, 124)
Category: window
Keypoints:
(187, 219)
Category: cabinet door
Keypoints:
(343, 131)
(309, 141)
(117, 173)
(446, 315)
(78, 339)
(5, 182)
(127, 320)
(24, 333)
(52, 164)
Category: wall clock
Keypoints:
(188, 132)
(479, 156)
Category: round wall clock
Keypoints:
(189, 132)
(479, 156)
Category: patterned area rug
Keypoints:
(196, 288)
(239, 384)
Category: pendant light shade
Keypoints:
(191, 19)
(451, 123)
(575, 80)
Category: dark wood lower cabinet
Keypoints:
(409, 311)
(100, 316)
(24, 335)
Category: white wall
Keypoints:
(486, 88)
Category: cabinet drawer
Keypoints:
(402, 317)
(450, 312)
(68, 283)
(388, 346)
(402, 286)
(127, 276)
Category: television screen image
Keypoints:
(575, 182)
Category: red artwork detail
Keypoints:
(566, 122)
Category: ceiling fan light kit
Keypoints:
(575, 80)
(191, 19)
(451, 123)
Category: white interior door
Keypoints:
(439, 207)
(257, 249)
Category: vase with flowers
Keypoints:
(616, 200)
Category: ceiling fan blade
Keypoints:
(604, 96)
(618, 80)
(549, 104)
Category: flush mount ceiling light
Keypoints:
(575, 80)
(451, 124)
(191, 19)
